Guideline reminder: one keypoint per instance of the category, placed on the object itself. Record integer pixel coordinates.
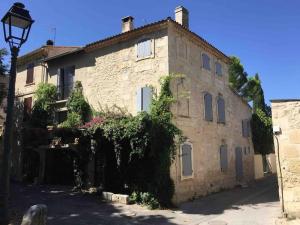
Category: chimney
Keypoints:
(127, 24)
(182, 16)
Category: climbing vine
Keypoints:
(139, 150)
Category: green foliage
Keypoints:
(262, 135)
(43, 109)
(77, 103)
(139, 149)
(144, 198)
(73, 121)
(237, 75)
(3, 66)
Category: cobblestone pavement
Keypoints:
(256, 205)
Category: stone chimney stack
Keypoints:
(127, 24)
(182, 16)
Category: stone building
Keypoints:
(119, 70)
(286, 121)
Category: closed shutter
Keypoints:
(187, 168)
(139, 100)
(206, 61)
(208, 113)
(243, 128)
(60, 83)
(27, 108)
(223, 158)
(144, 49)
(30, 71)
(218, 69)
(248, 128)
(146, 99)
(221, 110)
(68, 80)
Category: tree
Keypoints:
(3, 66)
(253, 92)
(3, 71)
(237, 75)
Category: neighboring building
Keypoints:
(286, 121)
(119, 70)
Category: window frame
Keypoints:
(203, 56)
(152, 46)
(181, 161)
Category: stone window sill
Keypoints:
(30, 84)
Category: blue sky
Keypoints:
(264, 34)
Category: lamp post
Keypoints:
(16, 25)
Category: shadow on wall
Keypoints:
(67, 207)
(263, 191)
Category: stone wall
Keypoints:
(286, 115)
(206, 137)
(112, 75)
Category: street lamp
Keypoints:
(16, 25)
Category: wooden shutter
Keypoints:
(221, 110)
(68, 80)
(218, 69)
(243, 128)
(206, 61)
(60, 83)
(146, 98)
(223, 158)
(208, 113)
(248, 128)
(30, 72)
(186, 153)
(144, 48)
(27, 107)
(139, 100)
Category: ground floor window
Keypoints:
(223, 158)
(186, 160)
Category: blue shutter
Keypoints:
(187, 169)
(223, 158)
(218, 69)
(146, 98)
(206, 61)
(139, 100)
(208, 113)
(144, 48)
(221, 110)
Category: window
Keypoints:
(144, 49)
(206, 61)
(221, 109)
(65, 81)
(144, 98)
(30, 72)
(27, 108)
(223, 158)
(186, 160)
(218, 69)
(246, 128)
(208, 113)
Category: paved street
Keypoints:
(256, 205)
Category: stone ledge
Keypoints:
(111, 197)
